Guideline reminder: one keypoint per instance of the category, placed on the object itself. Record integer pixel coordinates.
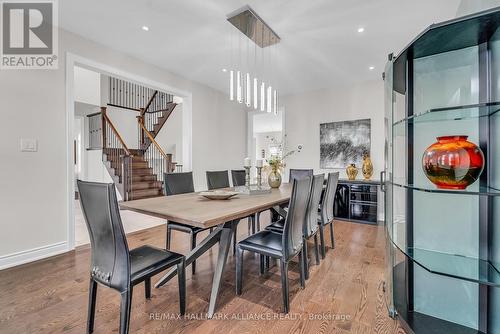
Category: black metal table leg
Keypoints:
(224, 245)
(223, 235)
(195, 253)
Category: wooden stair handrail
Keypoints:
(150, 136)
(143, 110)
(106, 119)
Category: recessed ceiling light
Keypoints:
(145, 28)
(361, 29)
(224, 70)
(371, 68)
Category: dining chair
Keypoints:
(238, 176)
(280, 210)
(282, 246)
(217, 179)
(326, 211)
(311, 223)
(299, 174)
(113, 264)
(176, 184)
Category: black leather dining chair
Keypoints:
(217, 179)
(326, 211)
(112, 263)
(176, 184)
(282, 246)
(238, 176)
(278, 211)
(299, 174)
(311, 223)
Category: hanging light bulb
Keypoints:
(262, 96)
(231, 85)
(269, 99)
(238, 87)
(248, 92)
(255, 94)
(275, 102)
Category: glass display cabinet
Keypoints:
(443, 243)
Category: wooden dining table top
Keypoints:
(195, 210)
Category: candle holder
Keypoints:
(247, 176)
(259, 177)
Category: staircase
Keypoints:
(143, 182)
(137, 173)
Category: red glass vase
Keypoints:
(453, 162)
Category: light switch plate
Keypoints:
(29, 145)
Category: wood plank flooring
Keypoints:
(344, 294)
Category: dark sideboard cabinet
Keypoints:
(357, 201)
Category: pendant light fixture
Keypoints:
(248, 85)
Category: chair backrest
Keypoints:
(299, 174)
(238, 177)
(293, 231)
(329, 198)
(178, 183)
(110, 263)
(311, 225)
(217, 179)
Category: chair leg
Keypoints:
(147, 287)
(316, 248)
(266, 263)
(181, 276)
(239, 269)
(284, 285)
(168, 238)
(91, 309)
(331, 235)
(305, 260)
(234, 238)
(322, 240)
(302, 267)
(262, 264)
(193, 245)
(126, 304)
(250, 226)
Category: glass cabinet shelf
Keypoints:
(453, 113)
(455, 266)
(485, 191)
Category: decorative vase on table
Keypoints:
(274, 178)
(367, 167)
(351, 172)
(453, 162)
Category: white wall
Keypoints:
(305, 112)
(33, 186)
(471, 6)
(87, 86)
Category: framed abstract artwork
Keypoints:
(344, 143)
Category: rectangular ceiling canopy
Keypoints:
(249, 23)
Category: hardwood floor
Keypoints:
(344, 294)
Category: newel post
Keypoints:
(103, 127)
(127, 176)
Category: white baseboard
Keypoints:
(30, 255)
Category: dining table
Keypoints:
(222, 215)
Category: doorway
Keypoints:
(85, 97)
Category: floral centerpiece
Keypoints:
(278, 154)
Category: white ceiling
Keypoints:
(320, 46)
